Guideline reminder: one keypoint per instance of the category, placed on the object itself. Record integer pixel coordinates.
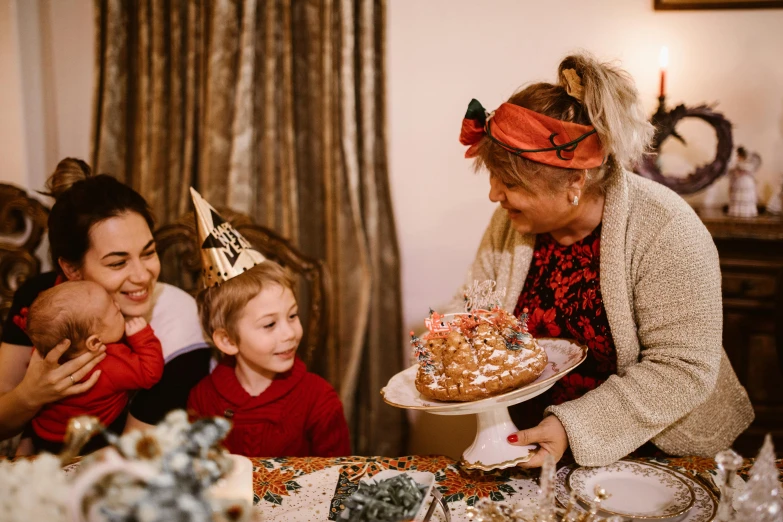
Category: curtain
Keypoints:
(275, 109)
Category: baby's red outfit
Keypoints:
(299, 415)
(124, 369)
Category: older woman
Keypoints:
(615, 261)
(99, 230)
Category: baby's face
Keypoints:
(111, 322)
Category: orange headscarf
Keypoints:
(533, 136)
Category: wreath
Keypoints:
(665, 123)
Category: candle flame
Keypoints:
(664, 57)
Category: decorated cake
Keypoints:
(482, 352)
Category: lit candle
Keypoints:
(664, 62)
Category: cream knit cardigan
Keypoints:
(661, 287)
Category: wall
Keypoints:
(12, 148)
(442, 53)
(46, 55)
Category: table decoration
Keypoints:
(33, 490)
(328, 482)
(543, 508)
(758, 500)
(164, 473)
(389, 496)
(173, 471)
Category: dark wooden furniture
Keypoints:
(23, 222)
(22, 226)
(751, 259)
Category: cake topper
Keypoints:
(483, 296)
(435, 323)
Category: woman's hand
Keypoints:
(46, 380)
(551, 437)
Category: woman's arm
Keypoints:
(43, 381)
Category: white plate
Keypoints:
(424, 478)
(704, 509)
(637, 490)
(564, 355)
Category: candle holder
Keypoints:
(665, 122)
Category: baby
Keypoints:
(83, 312)
(277, 407)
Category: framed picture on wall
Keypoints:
(663, 5)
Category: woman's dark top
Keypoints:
(562, 293)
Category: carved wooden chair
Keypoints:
(23, 224)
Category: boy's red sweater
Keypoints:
(299, 414)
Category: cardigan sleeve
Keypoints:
(678, 312)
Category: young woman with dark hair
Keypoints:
(100, 230)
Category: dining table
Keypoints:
(310, 489)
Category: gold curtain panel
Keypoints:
(275, 109)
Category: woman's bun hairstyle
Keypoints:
(609, 95)
(68, 172)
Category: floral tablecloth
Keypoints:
(311, 488)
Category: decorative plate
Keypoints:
(637, 490)
(564, 355)
(705, 505)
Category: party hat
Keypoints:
(225, 253)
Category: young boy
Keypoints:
(249, 311)
(84, 312)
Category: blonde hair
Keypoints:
(602, 95)
(55, 316)
(221, 306)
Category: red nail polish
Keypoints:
(512, 438)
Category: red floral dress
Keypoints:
(563, 295)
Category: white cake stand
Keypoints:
(490, 449)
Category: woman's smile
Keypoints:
(137, 296)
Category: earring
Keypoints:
(575, 202)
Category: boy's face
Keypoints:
(269, 331)
(111, 322)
